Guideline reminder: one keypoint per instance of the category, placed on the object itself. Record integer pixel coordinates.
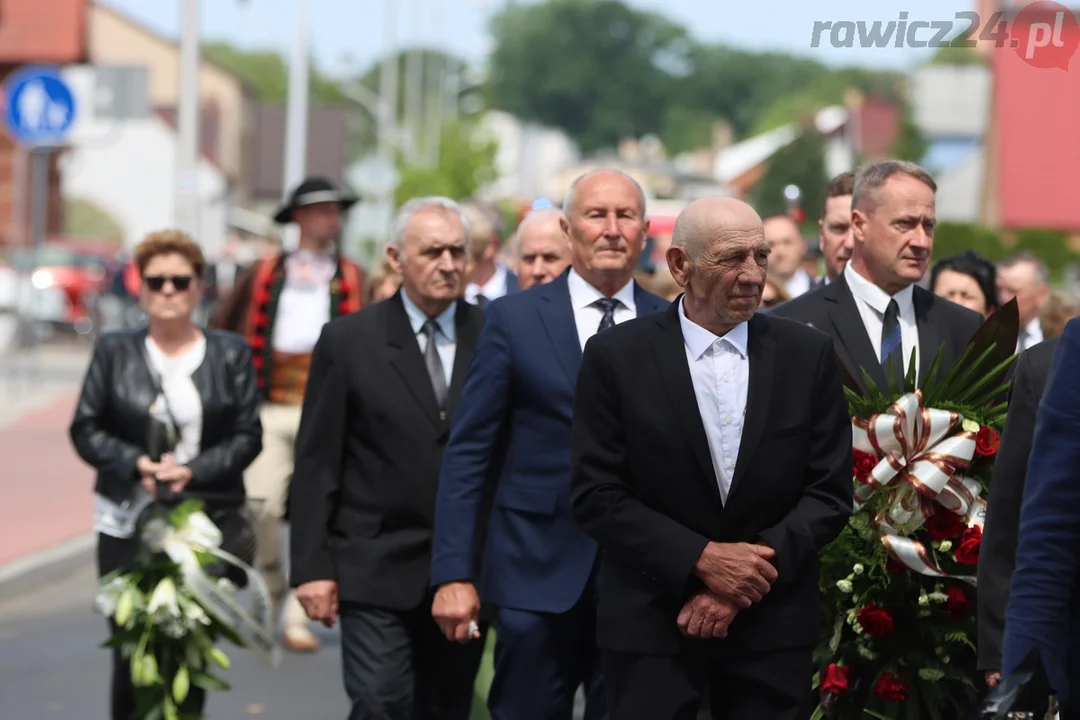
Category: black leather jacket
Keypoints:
(109, 430)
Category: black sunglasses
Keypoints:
(157, 282)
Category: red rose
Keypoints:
(968, 550)
(863, 463)
(837, 679)
(957, 605)
(891, 687)
(876, 621)
(943, 525)
(987, 441)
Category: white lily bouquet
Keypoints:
(170, 611)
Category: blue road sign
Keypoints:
(39, 107)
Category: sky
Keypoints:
(345, 34)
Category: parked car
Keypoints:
(64, 283)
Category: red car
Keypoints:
(76, 268)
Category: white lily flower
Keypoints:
(164, 599)
(970, 426)
(858, 569)
(844, 586)
(939, 597)
(201, 530)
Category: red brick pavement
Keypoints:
(46, 491)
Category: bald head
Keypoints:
(719, 256)
(543, 250)
(706, 219)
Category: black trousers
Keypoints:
(399, 666)
(732, 682)
(113, 553)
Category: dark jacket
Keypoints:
(109, 430)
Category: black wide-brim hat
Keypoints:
(311, 192)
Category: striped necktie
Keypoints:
(892, 351)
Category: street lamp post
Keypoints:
(186, 209)
(296, 127)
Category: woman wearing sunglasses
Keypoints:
(200, 386)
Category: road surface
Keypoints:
(51, 667)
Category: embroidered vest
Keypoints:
(346, 296)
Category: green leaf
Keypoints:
(206, 681)
(181, 684)
(170, 709)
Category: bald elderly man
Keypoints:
(543, 247)
(711, 461)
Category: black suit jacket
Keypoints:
(109, 430)
(368, 453)
(832, 310)
(997, 558)
(644, 488)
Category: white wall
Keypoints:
(128, 169)
(530, 157)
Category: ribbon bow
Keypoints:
(921, 465)
(199, 534)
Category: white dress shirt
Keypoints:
(587, 315)
(799, 283)
(872, 302)
(445, 338)
(304, 305)
(720, 372)
(1030, 334)
(493, 289)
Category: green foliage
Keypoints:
(466, 163)
(84, 218)
(829, 88)
(801, 163)
(553, 64)
(267, 74)
(1050, 245)
(911, 144)
(958, 55)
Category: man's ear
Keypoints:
(679, 264)
(394, 258)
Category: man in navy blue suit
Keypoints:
(1040, 622)
(516, 409)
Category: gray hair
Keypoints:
(531, 217)
(417, 205)
(1042, 272)
(871, 178)
(571, 194)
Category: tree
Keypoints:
(801, 163)
(86, 218)
(466, 164)
(911, 144)
(597, 69)
(828, 89)
(266, 72)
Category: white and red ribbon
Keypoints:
(921, 465)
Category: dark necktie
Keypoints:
(892, 351)
(608, 305)
(482, 300)
(434, 363)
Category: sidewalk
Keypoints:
(46, 491)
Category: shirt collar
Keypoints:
(417, 318)
(699, 340)
(583, 295)
(495, 287)
(874, 296)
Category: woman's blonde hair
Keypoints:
(1057, 311)
(169, 242)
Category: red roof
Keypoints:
(1037, 142)
(43, 31)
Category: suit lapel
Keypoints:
(557, 314)
(467, 329)
(929, 339)
(761, 348)
(858, 352)
(675, 371)
(406, 359)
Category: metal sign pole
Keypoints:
(39, 213)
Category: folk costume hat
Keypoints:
(311, 192)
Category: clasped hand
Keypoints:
(736, 576)
(177, 476)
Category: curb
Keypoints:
(40, 569)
